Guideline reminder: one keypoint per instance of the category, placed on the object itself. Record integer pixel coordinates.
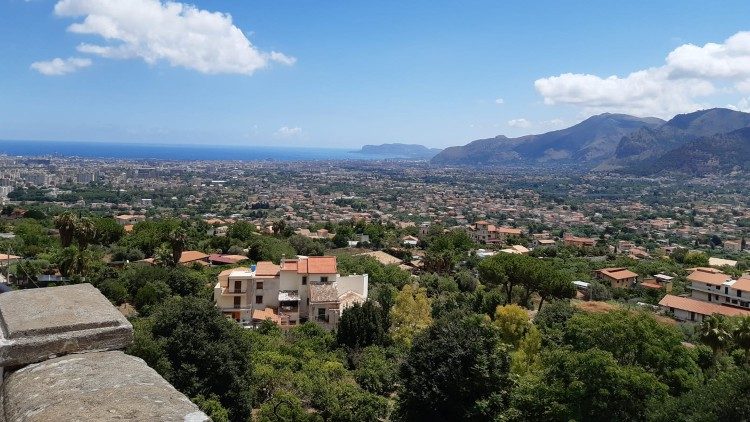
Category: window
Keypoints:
(259, 299)
(321, 312)
(692, 316)
(324, 279)
(726, 290)
(259, 285)
(739, 293)
(304, 280)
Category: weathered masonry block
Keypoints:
(59, 350)
(41, 323)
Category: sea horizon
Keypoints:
(180, 152)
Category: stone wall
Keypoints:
(59, 351)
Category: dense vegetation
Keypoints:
(497, 339)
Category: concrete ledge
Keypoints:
(37, 324)
(97, 386)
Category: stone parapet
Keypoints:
(58, 349)
(95, 386)
(37, 324)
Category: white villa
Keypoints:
(297, 290)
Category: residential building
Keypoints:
(578, 242)
(733, 245)
(658, 281)
(410, 241)
(688, 309)
(720, 262)
(128, 219)
(711, 285)
(617, 277)
(484, 232)
(297, 290)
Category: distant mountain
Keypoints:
(591, 141)
(720, 153)
(396, 150)
(648, 144)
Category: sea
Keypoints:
(177, 152)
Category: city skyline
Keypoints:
(346, 75)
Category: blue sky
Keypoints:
(344, 74)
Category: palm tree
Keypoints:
(75, 261)
(742, 335)
(65, 223)
(163, 256)
(178, 239)
(85, 232)
(715, 333)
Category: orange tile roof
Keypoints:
(266, 314)
(509, 230)
(742, 284)
(699, 307)
(289, 265)
(651, 285)
(618, 273)
(318, 265)
(716, 278)
(190, 256)
(266, 268)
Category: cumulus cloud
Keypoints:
(689, 76)
(177, 33)
(499, 101)
(58, 66)
(288, 132)
(519, 123)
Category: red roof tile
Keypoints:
(318, 265)
(266, 268)
(716, 278)
(699, 307)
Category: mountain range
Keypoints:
(621, 142)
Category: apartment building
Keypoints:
(712, 285)
(484, 232)
(297, 290)
(711, 292)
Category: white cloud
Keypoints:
(552, 123)
(288, 132)
(177, 33)
(58, 66)
(499, 101)
(690, 75)
(519, 123)
(742, 105)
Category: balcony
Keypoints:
(233, 292)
